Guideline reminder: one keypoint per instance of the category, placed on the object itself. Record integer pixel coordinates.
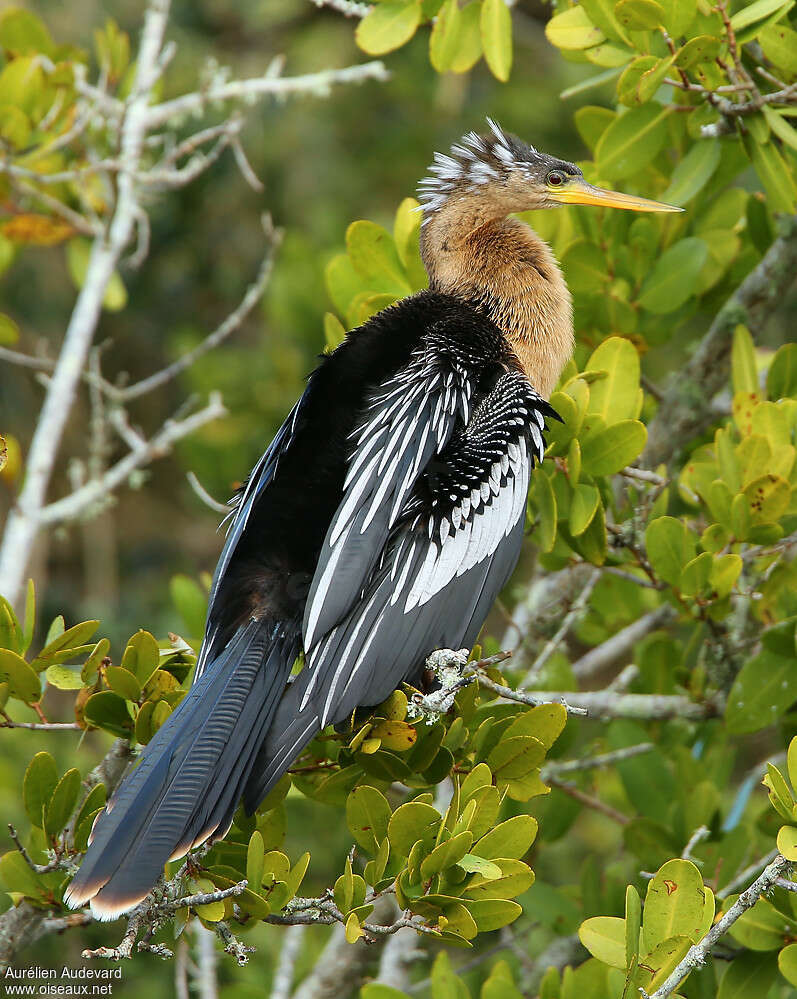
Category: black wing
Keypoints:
(448, 552)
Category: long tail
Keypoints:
(190, 777)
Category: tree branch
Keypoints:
(318, 84)
(609, 652)
(98, 490)
(233, 321)
(686, 407)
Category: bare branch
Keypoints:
(589, 802)
(619, 645)
(572, 616)
(98, 490)
(233, 321)
(610, 704)
(349, 8)
(282, 982)
(555, 768)
(247, 91)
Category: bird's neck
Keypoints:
(502, 265)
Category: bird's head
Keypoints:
(493, 175)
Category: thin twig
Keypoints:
(98, 490)
(594, 803)
(556, 768)
(318, 84)
(233, 321)
(579, 604)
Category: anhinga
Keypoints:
(380, 524)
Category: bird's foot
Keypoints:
(444, 668)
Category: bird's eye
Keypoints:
(555, 179)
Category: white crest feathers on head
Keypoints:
(472, 162)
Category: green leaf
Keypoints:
(657, 965)
(696, 574)
(23, 682)
(642, 78)
(782, 374)
(62, 803)
(16, 876)
(514, 758)
(141, 656)
(514, 879)
(388, 26)
(511, 839)
(787, 963)
(702, 48)
(64, 677)
(764, 689)
(446, 854)
(749, 976)
(411, 822)
(670, 545)
(762, 927)
(674, 276)
(604, 938)
(779, 44)
(376, 990)
(255, 861)
(791, 762)
(632, 924)
(639, 15)
(23, 33)
(545, 502)
(784, 131)
(493, 913)
(787, 842)
(583, 506)
(612, 448)
(757, 11)
(496, 36)
(743, 366)
(773, 172)
(615, 397)
(545, 722)
(38, 785)
(444, 40)
(631, 141)
(674, 904)
(108, 710)
(573, 30)
(368, 815)
(469, 50)
(478, 865)
(122, 682)
(693, 172)
(373, 253)
(71, 639)
(585, 268)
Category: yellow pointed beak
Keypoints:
(578, 192)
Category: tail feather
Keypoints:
(186, 786)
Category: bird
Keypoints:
(380, 524)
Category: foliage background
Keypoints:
(324, 164)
